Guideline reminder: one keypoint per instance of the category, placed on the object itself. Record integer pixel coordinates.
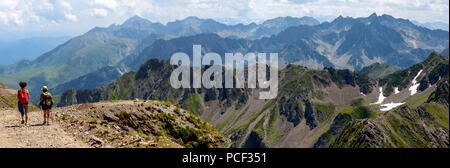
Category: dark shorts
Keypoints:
(21, 108)
(45, 107)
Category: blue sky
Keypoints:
(74, 17)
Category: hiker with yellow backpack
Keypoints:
(46, 102)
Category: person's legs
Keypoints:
(22, 113)
(25, 107)
(45, 116)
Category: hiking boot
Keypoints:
(23, 122)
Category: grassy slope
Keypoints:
(378, 70)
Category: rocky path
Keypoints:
(15, 135)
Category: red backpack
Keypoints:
(23, 96)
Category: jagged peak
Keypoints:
(130, 22)
(340, 18)
(373, 18)
(373, 15)
(191, 19)
(135, 17)
(135, 20)
(387, 16)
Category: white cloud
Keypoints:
(66, 5)
(111, 4)
(44, 5)
(71, 17)
(45, 14)
(99, 12)
(11, 4)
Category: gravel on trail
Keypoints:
(13, 134)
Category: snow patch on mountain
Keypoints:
(396, 90)
(380, 98)
(415, 85)
(389, 106)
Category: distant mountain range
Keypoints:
(91, 80)
(102, 47)
(433, 25)
(29, 48)
(344, 43)
(137, 27)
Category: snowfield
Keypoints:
(380, 98)
(415, 85)
(396, 90)
(389, 106)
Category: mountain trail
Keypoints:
(13, 134)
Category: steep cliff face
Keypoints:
(368, 135)
(442, 92)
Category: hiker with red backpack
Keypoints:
(23, 96)
(46, 102)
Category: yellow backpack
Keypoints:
(47, 99)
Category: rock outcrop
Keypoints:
(138, 124)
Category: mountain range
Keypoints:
(314, 108)
(433, 25)
(344, 43)
(101, 47)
